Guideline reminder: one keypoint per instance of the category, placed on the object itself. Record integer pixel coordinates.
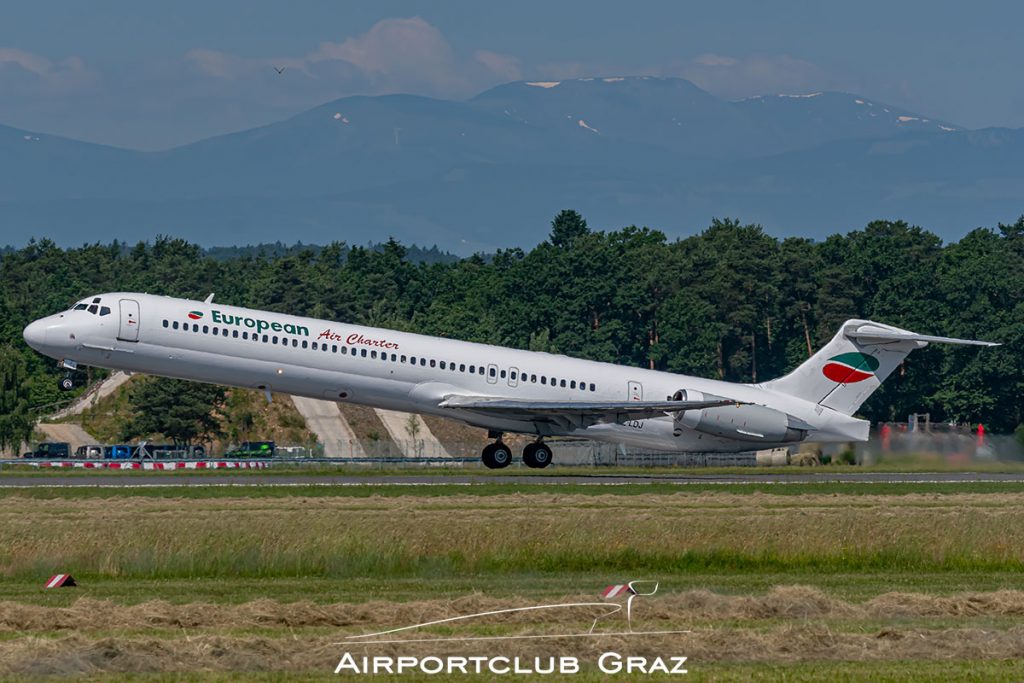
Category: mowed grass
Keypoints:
(243, 487)
(837, 582)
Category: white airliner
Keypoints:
(496, 388)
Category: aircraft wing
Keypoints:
(576, 413)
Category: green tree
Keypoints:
(15, 414)
(177, 409)
(567, 227)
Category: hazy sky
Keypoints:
(156, 74)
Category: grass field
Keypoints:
(796, 582)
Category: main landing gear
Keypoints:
(498, 455)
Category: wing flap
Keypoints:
(584, 411)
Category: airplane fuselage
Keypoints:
(239, 347)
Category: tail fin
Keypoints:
(849, 368)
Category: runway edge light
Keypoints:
(61, 581)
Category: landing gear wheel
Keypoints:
(496, 456)
(537, 455)
(66, 383)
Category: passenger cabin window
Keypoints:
(165, 323)
(175, 325)
(493, 372)
(592, 388)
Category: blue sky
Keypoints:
(153, 75)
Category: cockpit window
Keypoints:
(105, 310)
(96, 300)
(93, 309)
(80, 307)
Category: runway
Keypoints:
(137, 479)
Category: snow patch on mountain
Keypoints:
(544, 84)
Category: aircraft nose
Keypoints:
(35, 334)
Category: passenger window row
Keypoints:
(492, 371)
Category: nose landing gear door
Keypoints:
(129, 328)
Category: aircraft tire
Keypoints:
(496, 456)
(528, 458)
(537, 455)
(66, 384)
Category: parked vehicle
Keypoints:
(118, 452)
(170, 451)
(89, 451)
(50, 449)
(254, 449)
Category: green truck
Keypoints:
(253, 449)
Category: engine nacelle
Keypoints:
(741, 422)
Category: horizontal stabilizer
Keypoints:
(870, 334)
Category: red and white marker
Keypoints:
(61, 581)
(616, 591)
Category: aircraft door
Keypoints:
(129, 328)
(513, 377)
(492, 374)
(635, 391)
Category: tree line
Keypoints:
(732, 302)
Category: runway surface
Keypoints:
(323, 479)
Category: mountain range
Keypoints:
(492, 171)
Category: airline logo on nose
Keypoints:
(195, 315)
(847, 368)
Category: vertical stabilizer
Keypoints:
(845, 372)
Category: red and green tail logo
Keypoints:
(195, 315)
(847, 368)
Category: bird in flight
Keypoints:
(280, 69)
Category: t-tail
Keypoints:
(849, 368)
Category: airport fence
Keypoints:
(570, 453)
